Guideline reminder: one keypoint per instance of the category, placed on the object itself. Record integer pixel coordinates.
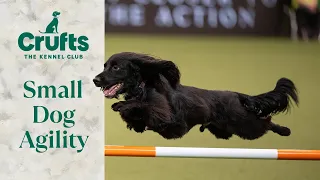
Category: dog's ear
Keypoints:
(152, 68)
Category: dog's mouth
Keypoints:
(112, 91)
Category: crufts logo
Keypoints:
(52, 41)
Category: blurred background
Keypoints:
(241, 45)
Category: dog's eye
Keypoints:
(116, 68)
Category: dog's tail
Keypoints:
(275, 101)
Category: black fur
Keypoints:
(171, 109)
(275, 101)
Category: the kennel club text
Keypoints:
(53, 56)
(54, 138)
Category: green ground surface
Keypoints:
(249, 66)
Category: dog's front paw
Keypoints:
(129, 127)
(117, 106)
(139, 128)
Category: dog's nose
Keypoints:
(97, 81)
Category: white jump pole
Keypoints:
(226, 153)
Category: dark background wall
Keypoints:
(215, 17)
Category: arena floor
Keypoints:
(249, 66)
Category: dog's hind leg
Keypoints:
(219, 133)
(281, 130)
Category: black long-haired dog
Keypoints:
(155, 100)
